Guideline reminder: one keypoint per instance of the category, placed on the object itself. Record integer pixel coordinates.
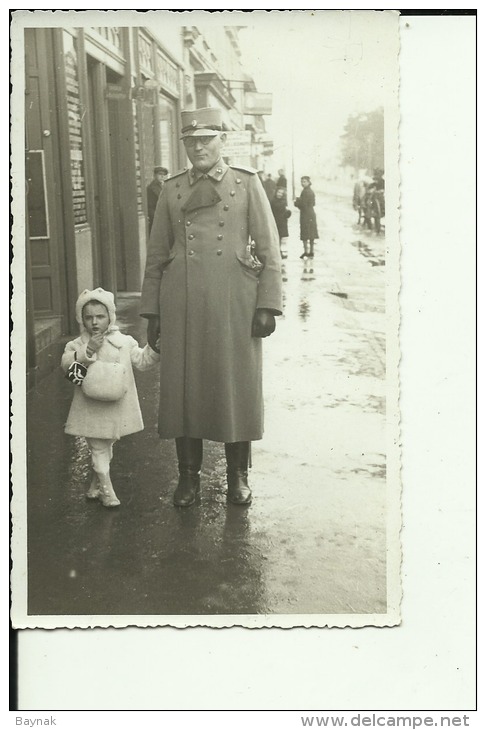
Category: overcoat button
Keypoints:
(238, 181)
(188, 223)
(190, 236)
(221, 224)
(190, 253)
(219, 252)
(225, 207)
(179, 196)
(178, 185)
(220, 237)
(232, 193)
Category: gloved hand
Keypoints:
(153, 333)
(263, 323)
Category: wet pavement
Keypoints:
(313, 540)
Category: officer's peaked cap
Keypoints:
(206, 122)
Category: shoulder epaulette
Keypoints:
(176, 174)
(251, 170)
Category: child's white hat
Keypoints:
(100, 295)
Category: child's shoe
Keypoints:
(94, 489)
(107, 495)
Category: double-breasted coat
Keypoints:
(202, 281)
(308, 224)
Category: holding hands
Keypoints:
(153, 333)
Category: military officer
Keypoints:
(211, 291)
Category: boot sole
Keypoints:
(242, 504)
(186, 504)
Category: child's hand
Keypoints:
(94, 344)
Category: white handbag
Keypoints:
(106, 381)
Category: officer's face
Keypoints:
(204, 152)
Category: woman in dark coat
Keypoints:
(308, 224)
(281, 214)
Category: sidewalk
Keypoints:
(313, 540)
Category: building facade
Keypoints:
(102, 108)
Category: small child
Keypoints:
(104, 422)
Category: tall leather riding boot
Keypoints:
(189, 455)
(237, 455)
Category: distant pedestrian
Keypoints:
(308, 224)
(368, 205)
(359, 193)
(378, 178)
(282, 180)
(282, 183)
(154, 188)
(270, 187)
(103, 359)
(281, 214)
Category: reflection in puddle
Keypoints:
(304, 309)
(308, 271)
(375, 257)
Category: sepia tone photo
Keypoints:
(206, 325)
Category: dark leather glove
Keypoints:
(153, 332)
(263, 323)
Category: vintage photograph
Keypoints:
(205, 348)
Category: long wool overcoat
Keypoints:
(201, 280)
(107, 420)
(308, 223)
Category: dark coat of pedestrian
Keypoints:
(282, 180)
(270, 187)
(213, 278)
(154, 188)
(281, 213)
(308, 223)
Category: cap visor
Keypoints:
(200, 133)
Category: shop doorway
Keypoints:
(103, 219)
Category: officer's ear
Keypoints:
(222, 137)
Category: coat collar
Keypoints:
(215, 173)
